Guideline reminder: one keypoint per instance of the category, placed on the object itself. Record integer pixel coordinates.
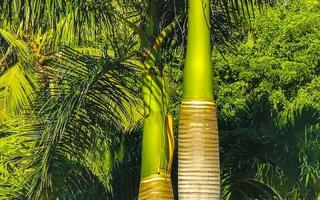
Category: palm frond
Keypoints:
(229, 18)
(124, 177)
(88, 96)
(64, 22)
(17, 76)
(19, 48)
(15, 155)
(17, 88)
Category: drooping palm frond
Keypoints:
(29, 30)
(299, 125)
(229, 18)
(124, 177)
(239, 164)
(15, 155)
(283, 157)
(88, 113)
(66, 20)
(17, 76)
(17, 47)
(88, 96)
(16, 91)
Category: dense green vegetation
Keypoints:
(71, 112)
(268, 95)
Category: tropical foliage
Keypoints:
(71, 111)
(268, 95)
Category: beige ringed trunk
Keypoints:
(156, 187)
(198, 151)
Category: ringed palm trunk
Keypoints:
(198, 144)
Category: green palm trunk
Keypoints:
(199, 171)
(155, 174)
(156, 143)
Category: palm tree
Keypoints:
(75, 84)
(91, 100)
(74, 98)
(71, 26)
(30, 31)
(157, 141)
(198, 144)
(199, 169)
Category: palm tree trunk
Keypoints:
(157, 147)
(198, 146)
(155, 169)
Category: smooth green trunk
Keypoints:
(155, 142)
(155, 180)
(198, 69)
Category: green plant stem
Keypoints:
(198, 68)
(155, 142)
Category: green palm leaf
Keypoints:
(16, 91)
(89, 97)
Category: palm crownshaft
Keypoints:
(155, 176)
